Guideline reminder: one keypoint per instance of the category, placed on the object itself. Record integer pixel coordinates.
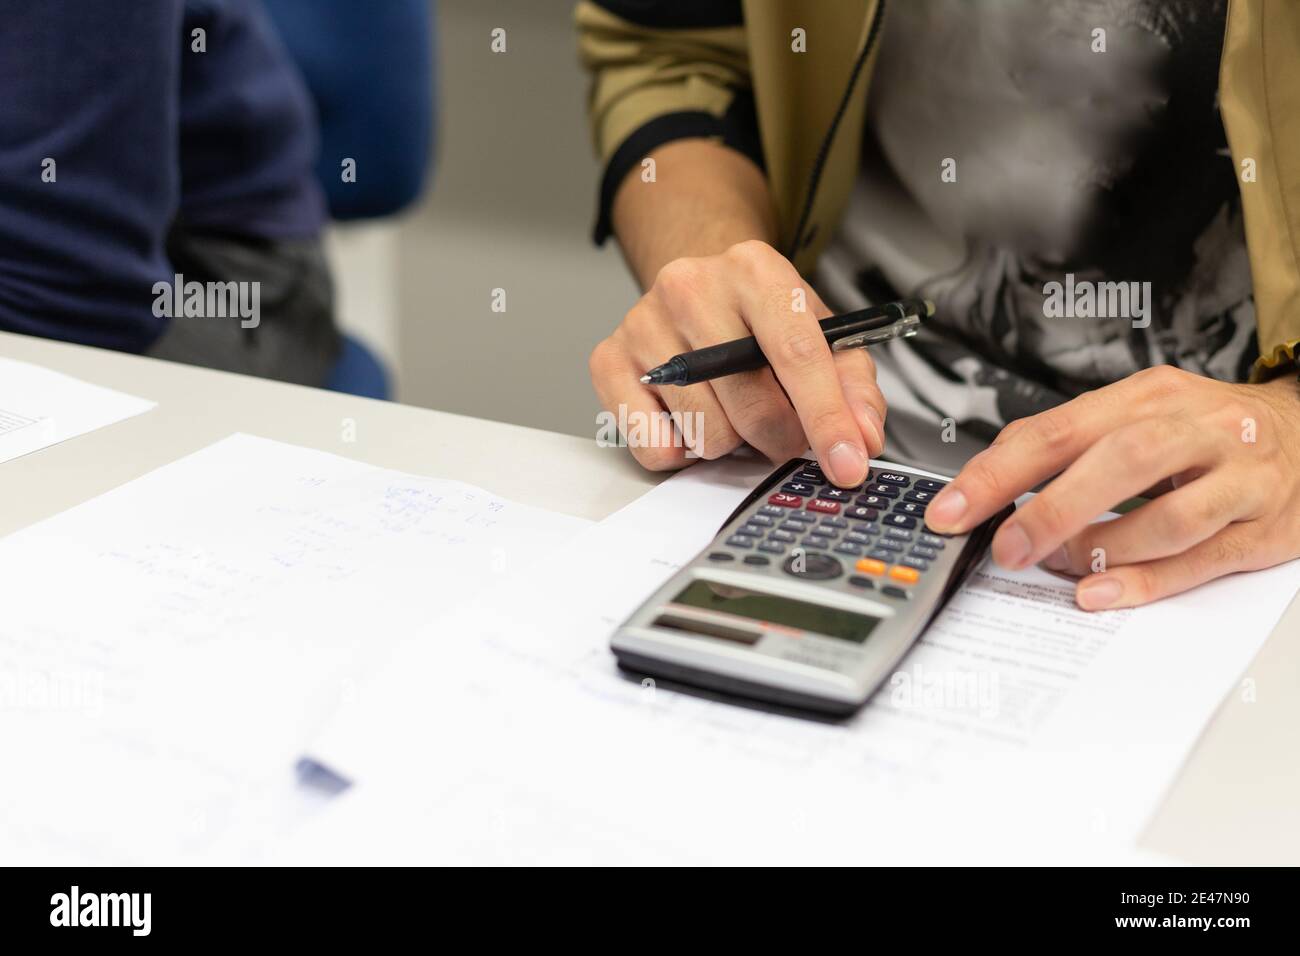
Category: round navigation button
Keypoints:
(812, 565)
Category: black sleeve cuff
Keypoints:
(737, 128)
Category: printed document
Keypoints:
(1019, 729)
(39, 408)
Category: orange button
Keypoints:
(906, 575)
(870, 566)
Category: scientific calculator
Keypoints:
(810, 594)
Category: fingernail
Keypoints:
(1012, 546)
(1058, 560)
(946, 509)
(848, 464)
(1098, 593)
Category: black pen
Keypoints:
(880, 323)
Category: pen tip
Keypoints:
(645, 379)
(929, 307)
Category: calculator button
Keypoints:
(835, 494)
(803, 488)
(884, 544)
(911, 561)
(824, 531)
(771, 510)
(873, 501)
(906, 575)
(926, 484)
(881, 555)
(928, 554)
(793, 527)
(740, 541)
(812, 477)
(893, 478)
(898, 534)
(860, 582)
(857, 537)
(890, 591)
(753, 531)
(861, 513)
(846, 548)
(899, 521)
(814, 567)
(757, 559)
(834, 523)
(802, 516)
(787, 535)
(823, 506)
(931, 541)
(870, 565)
(772, 547)
(785, 501)
(816, 543)
(920, 497)
(909, 508)
(721, 556)
(761, 519)
(887, 491)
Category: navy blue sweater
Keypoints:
(143, 131)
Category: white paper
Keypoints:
(39, 408)
(1020, 729)
(167, 649)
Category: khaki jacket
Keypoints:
(656, 79)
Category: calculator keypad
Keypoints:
(876, 532)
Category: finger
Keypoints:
(753, 402)
(801, 360)
(699, 419)
(1029, 453)
(857, 372)
(1235, 548)
(761, 414)
(866, 402)
(1113, 470)
(633, 406)
(1167, 526)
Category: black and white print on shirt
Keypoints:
(1032, 150)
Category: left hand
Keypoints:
(1223, 459)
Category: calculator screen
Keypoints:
(770, 608)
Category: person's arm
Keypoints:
(705, 198)
(696, 226)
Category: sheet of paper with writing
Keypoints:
(166, 649)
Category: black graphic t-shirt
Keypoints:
(1012, 144)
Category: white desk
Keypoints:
(1237, 801)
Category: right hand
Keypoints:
(808, 397)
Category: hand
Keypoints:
(1226, 457)
(809, 396)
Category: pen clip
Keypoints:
(902, 328)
